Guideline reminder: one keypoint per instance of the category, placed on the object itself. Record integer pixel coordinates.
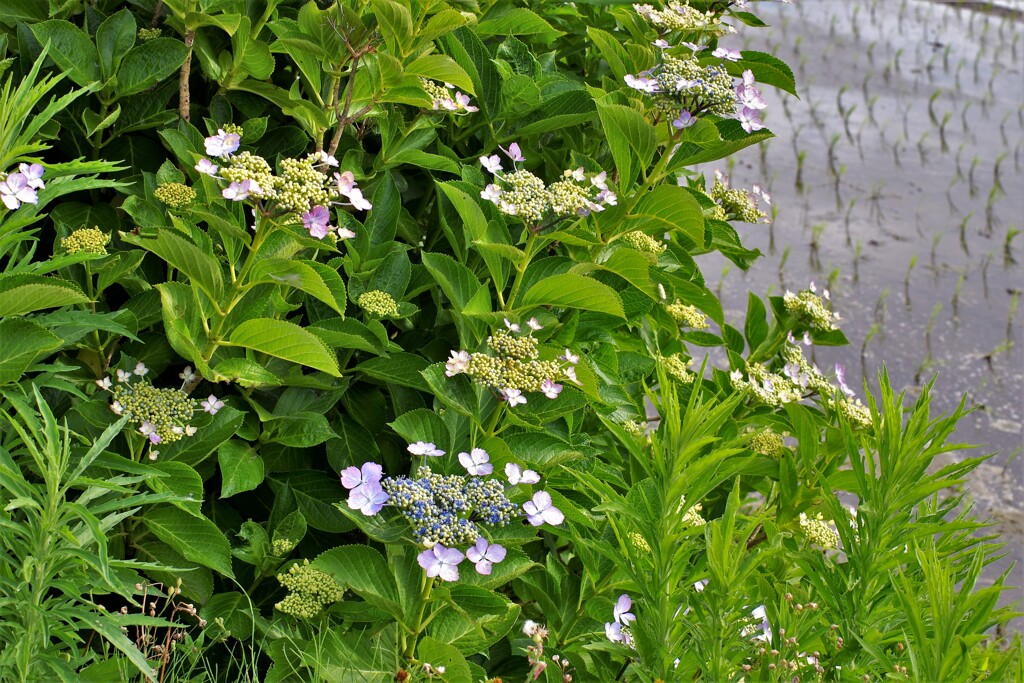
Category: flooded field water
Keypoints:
(898, 182)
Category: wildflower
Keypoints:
(149, 431)
(661, 43)
(354, 477)
(531, 629)
(310, 590)
(476, 462)
(425, 449)
(513, 327)
(123, 375)
(819, 531)
(368, 498)
(541, 510)
(344, 233)
(174, 195)
(727, 54)
(621, 611)
(570, 374)
(491, 193)
(750, 119)
(762, 631)
(239, 191)
(550, 389)
(748, 94)
(692, 516)
(86, 241)
(104, 383)
(766, 442)
(642, 83)
(222, 144)
(685, 120)
(841, 379)
(212, 404)
(613, 631)
(485, 554)
(328, 160)
(190, 430)
(316, 221)
(569, 357)
(117, 408)
(463, 102)
(517, 475)
(514, 397)
(694, 47)
(187, 375)
(140, 369)
(441, 561)
(639, 542)
(457, 364)
(33, 175)
(15, 191)
(534, 324)
(378, 304)
(491, 163)
(513, 152)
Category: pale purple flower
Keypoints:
(661, 42)
(187, 375)
(642, 83)
(441, 561)
(491, 193)
(123, 375)
(222, 144)
(149, 431)
(578, 174)
(425, 449)
(550, 389)
(750, 119)
(613, 631)
(759, 192)
(748, 94)
(316, 221)
(463, 101)
(358, 201)
(512, 327)
(541, 510)
(513, 152)
(513, 396)
(621, 611)
(763, 630)
(517, 475)
(212, 404)
(485, 554)
(727, 54)
(368, 498)
(33, 174)
(607, 197)
(685, 120)
(457, 364)
(15, 191)
(346, 182)
(491, 163)
(569, 357)
(694, 46)
(207, 167)
(117, 408)
(599, 180)
(570, 373)
(237, 192)
(476, 462)
(354, 477)
(841, 378)
(104, 383)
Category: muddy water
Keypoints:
(898, 180)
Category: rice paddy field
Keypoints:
(897, 182)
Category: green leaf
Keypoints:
(315, 279)
(670, 208)
(200, 267)
(441, 68)
(348, 333)
(423, 425)
(241, 469)
(569, 290)
(181, 480)
(114, 37)
(755, 327)
(247, 373)
(441, 654)
(517, 22)
(631, 139)
(287, 341)
(468, 50)
(302, 430)
(399, 368)
(196, 538)
(23, 342)
(20, 294)
(766, 68)
(395, 23)
(71, 48)
(28, 11)
(147, 64)
(213, 430)
(316, 494)
(366, 574)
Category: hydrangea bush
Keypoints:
(377, 331)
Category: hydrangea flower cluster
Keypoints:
(642, 242)
(521, 193)
(766, 442)
(618, 630)
(22, 186)
(691, 513)
(174, 195)
(685, 314)
(378, 304)
(819, 531)
(148, 34)
(682, 18)
(677, 368)
(445, 100)
(162, 415)
(303, 188)
(86, 241)
(517, 368)
(445, 510)
(811, 309)
(309, 591)
(739, 204)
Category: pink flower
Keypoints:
(15, 191)
(513, 152)
(550, 389)
(316, 221)
(212, 404)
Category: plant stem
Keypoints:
(426, 587)
(184, 98)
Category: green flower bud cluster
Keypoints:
(436, 92)
(676, 367)
(803, 371)
(769, 388)
(378, 304)
(767, 442)
(525, 196)
(819, 531)
(681, 18)
(282, 546)
(855, 412)
(233, 128)
(148, 34)
(166, 411)
(310, 590)
(685, 84)
(504, 344)
(300, 186)
(735, 202)
(691, 516)
(570, 198)
(174, 195)
(811, 309)
(643, 242)
(639, 542)
(634, 428)
(685, 314)
(86, 241)
(512, 373)
(248, 166)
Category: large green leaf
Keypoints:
(423, 425)
(569, 290)
(365, 572)
(631, 139)
(517, 21)
(114, 37)
(200, 267)
(241, 469)
(669, 208)
(315, 279)
(20, 294)
(23, 342)
(441, 68)
(287, 341)
(473, 56)
(196, 538)
(71, 48)
(399, 368)
(147, 64)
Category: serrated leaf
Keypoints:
(200, 267)
(365, 572)
(241, 469)
(569, 290)
(20, 294)
(287, 341)
(147, 64)
(196, 538)
(321, 283)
